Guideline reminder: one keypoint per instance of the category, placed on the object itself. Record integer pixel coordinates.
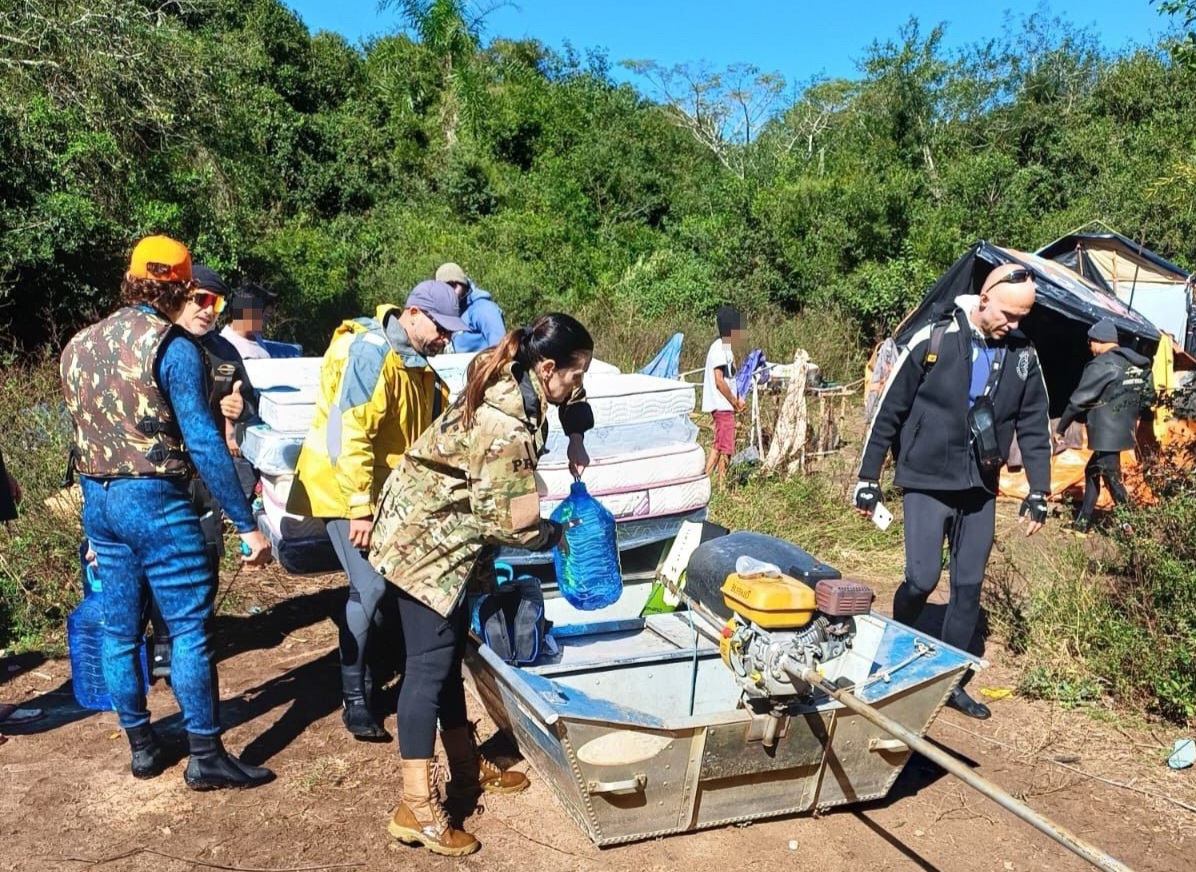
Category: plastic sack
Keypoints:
(588, 576)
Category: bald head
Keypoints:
(1006, 297)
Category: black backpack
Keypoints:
(511, 621)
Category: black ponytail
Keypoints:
(555, 336)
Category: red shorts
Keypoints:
(724, 431)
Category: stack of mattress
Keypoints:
(286, 404)
(646, 465)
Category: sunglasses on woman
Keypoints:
(203, 299)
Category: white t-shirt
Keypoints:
(247, 348)
(719, 355)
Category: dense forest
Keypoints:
(341, 174)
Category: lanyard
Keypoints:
(994, 372)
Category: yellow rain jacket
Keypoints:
(377, 394)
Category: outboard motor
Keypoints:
(779, 623)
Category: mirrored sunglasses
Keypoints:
(203, 299)
(1017, 276)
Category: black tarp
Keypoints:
(1065, 306)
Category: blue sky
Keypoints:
(798, 38)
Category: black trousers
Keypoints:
(1106, 465)
(432, 687)
(966, 521)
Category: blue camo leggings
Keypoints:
(147, 538)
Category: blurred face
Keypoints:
(462, 290)
(198, 315)
(252, 320)
(425, 335)
(1003, 306)
(561, 382)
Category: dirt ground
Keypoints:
(69, 802)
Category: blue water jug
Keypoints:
(588, 576)
(85, 644)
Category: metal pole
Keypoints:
(1072, 842)
(1064, 837)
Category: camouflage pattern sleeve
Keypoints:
(503, 495)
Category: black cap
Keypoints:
(251, 296)
(208, 279)
(1103, 330)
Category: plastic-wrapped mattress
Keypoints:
(638, 470)
(271, 452)
(626, 438)
(291, 372)
(649, 502)
(623, 398)
(275, 490)
(451, 369)
(287, 409)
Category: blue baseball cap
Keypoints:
(439, 302)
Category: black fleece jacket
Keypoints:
(923, 415)
(1113, 389)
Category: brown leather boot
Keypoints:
(420, 818)
(471, 772)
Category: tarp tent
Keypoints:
(1065, 307)
(1157, 288)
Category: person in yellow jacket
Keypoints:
(377, 394)
(467, 484)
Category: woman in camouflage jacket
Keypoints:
(467, 483)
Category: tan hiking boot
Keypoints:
(470, 772)
(420, 818)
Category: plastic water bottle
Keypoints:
(588, 576)
(85, 644)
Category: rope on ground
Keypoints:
(1102, 779)
(197, 862)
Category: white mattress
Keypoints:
(649, 502)
(617, 439)
(666, 464)
(622, 398)
(285, 372)
(631, 534)
(271, 451)
(275, 490)
(452, 368)
(288, 411)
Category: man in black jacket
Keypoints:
(1114, 388)
(957, 394)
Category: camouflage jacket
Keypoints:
(123, 425)
(458, 490)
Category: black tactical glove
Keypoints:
(1034, 505)
(866, 496)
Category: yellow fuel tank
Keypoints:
(773, 602)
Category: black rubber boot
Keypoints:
(148, 759)
(960, 701)
(358, 719)
(212, 768)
